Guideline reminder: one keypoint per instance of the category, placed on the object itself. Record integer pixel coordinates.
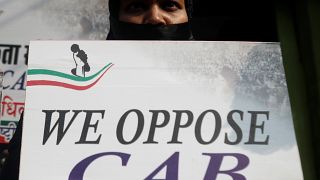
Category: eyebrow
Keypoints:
(128, 2)
(149, 1)
(181, 2)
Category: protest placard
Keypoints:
(157, 110)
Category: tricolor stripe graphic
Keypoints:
(44, 77)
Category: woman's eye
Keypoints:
(170, 5)
(135, 7)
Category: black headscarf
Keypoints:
(120, 30)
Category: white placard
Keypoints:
(157, 110)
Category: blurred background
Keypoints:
(295, 24)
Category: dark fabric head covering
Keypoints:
(128, 31)
(189, 7)
(114, 8)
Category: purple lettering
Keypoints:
(78, 171)
(216, 161)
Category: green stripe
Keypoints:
(63, 75)
(6, 122)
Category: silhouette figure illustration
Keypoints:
(80, 58)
